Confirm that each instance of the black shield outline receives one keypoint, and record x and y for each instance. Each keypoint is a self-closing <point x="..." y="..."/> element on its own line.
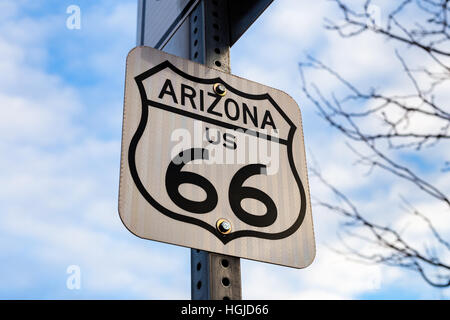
<point x="187" y="219"/>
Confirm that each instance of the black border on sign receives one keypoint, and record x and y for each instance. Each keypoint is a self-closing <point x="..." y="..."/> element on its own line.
<point x="141" y="128"/>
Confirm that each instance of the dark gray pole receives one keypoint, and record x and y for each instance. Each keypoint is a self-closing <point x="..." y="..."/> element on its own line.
<point x="203" y="36"/>
<point x="213" y="276"/>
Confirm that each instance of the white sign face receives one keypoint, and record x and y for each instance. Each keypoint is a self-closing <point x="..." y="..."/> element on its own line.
<point x="213" y="162"/>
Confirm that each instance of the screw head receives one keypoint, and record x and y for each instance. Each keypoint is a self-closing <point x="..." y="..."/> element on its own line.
<point x="224" y="226"/>
<point x="220" y="89"/>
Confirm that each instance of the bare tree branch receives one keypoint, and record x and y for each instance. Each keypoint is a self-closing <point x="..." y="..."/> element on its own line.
<point x="419" y="26"/>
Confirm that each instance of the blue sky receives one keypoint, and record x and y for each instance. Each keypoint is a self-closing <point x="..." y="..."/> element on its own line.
<point x="61" y="93"/>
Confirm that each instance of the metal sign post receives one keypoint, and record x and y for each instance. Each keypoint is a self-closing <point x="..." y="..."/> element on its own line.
<point x="210" y="161"/>
<point x="213" y="276"/>
<point x="205" y="22"/>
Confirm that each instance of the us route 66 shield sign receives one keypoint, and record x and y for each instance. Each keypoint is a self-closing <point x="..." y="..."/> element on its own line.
<point x="213" y="162"/>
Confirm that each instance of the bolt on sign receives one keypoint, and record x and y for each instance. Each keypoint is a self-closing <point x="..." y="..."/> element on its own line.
<point x="213" y="162"/>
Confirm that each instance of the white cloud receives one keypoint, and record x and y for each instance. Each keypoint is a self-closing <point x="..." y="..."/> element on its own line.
<point x="59" y="187"/>
<point x="330" y="276"/>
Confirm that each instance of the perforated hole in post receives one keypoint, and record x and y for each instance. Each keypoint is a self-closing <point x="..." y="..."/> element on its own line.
<point x="225" y="263"/>
<point x="226" y="281"/>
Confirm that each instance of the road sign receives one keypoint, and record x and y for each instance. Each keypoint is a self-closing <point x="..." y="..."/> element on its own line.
<point x="213" y="162"/>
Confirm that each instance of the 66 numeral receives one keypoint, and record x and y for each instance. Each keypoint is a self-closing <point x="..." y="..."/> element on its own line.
<point x="236" y="191"/>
